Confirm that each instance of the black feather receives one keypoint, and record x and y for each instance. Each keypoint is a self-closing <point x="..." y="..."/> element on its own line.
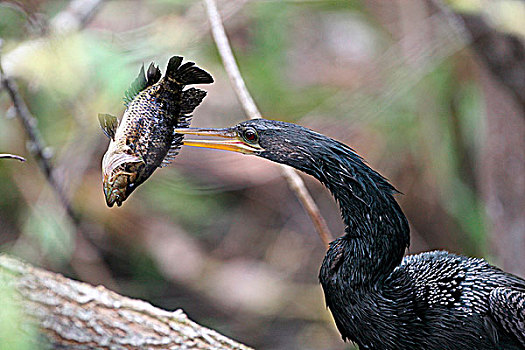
<point x="507" y="306"/>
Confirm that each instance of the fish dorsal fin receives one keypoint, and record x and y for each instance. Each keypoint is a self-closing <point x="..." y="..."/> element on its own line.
<point x="109" y="124"/>
<point x="153" y="74"/>
<point x="186" y="74"/>
<point x="191" y="98"/>
<point x="141" y="82"/>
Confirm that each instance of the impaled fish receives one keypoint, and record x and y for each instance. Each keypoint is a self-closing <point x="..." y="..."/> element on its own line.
<point x="144" y="139"/>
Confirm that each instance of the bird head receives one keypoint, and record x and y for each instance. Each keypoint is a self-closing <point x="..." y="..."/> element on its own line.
<point x="277" y="141"/>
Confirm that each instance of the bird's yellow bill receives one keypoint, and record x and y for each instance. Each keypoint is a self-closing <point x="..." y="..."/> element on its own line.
<point x="232" y="141"/>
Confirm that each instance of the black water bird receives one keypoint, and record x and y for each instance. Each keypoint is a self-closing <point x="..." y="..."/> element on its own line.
<point x="380" y="299"/>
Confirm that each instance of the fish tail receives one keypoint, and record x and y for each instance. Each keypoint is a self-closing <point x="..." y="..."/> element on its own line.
<point x="186" y="74"/>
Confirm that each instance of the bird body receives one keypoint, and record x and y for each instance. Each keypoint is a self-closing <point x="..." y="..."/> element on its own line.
<point x="433" y="300"/>
<point x="144" y="139"/>
<point x="380" y="299"/>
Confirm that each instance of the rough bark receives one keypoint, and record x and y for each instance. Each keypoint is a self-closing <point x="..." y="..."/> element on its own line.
<point x="76" y="315"/>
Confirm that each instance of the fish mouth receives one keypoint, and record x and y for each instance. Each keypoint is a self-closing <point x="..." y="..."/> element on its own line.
<point x="231" y="140"/>
<point x="118" y="187"/>
<point x="114" y="196"/>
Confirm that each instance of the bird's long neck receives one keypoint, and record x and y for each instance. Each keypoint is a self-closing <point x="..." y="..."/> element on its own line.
<point x="376" y="233"/>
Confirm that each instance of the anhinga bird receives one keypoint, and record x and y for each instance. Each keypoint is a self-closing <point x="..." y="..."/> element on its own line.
<point x="380" y="300"/>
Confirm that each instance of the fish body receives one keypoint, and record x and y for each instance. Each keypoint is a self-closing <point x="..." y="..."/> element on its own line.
<point x="144" y="139"/>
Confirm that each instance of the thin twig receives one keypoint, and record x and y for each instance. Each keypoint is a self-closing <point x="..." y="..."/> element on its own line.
<point x="75" y="16"/>
<point x="12" y="156"/>
<point x="36" y="145"/>
<point x="38" y="149"/>
<point x="223" y="45"/>
<point x="294" y="180"/>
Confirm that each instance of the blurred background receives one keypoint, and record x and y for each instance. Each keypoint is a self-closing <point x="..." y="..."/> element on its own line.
<point x="431" y="93"/>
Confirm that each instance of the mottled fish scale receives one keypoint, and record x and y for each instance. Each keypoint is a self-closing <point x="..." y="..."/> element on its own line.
<point x="149" y="120"/>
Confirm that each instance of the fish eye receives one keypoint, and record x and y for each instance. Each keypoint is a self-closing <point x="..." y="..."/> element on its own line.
<point x="250" y="135"/>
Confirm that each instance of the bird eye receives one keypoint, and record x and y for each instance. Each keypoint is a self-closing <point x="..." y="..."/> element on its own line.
<point x="250" y="135"/>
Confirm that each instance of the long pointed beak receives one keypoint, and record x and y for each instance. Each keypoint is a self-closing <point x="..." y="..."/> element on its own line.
<point x="232" y="141"/>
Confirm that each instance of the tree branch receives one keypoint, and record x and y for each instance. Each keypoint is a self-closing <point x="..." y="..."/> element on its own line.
<point x="294" y="180"/>
<point x="12" y="156"/>
<point x="76" y="315"/>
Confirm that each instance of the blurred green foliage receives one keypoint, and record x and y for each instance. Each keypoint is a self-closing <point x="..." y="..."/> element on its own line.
<point x="186" y="202"/>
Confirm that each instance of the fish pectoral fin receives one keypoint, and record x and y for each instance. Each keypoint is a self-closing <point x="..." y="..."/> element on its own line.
<point x="109" y="124"/>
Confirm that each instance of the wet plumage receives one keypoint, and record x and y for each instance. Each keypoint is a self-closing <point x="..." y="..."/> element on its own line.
<point x="144" y="139"/>
<point x="380" y="299"/>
